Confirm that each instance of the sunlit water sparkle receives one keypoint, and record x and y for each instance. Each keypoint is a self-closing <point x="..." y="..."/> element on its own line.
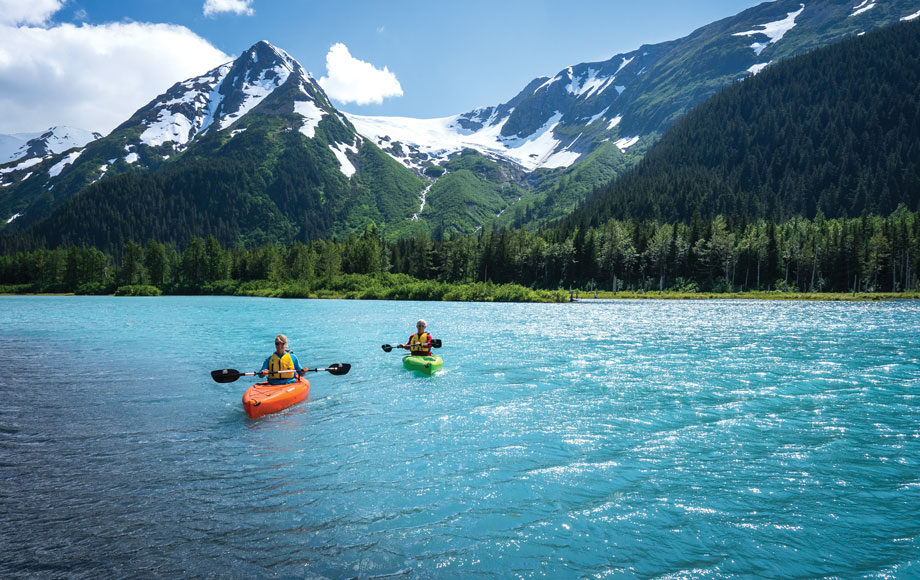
<point x="647" y="439"/>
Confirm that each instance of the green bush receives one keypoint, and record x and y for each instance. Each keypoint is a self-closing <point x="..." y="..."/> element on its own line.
<point x="220" y="288"/>
<point x="138" y="290"/>
<point x="16" y="288"/>
<point x="92" y="289"/>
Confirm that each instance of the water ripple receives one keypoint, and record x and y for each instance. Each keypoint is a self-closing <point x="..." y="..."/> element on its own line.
<point x="590" y="440"/>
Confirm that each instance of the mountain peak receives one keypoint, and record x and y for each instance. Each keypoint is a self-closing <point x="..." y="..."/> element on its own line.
<point x="50" y="142"/>
<point x="263" y="52"/>
<point x="220" y="97"/>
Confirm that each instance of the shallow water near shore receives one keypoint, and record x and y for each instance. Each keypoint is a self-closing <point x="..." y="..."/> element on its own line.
<point x="598" y="439"/>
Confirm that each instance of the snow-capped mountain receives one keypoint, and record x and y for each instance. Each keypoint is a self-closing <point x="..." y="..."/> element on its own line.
<point x="221" y="97"/>
<point x="24" y="152"/>
<point x="10" y="144"/>
<point x="263" y="85"/>
<point x="552" y="123"/>
<point x="632" y="97"/>
<point x="55" y="140"/>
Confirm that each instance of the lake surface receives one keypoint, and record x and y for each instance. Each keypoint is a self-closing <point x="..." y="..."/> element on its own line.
<point x="623" y="439"/>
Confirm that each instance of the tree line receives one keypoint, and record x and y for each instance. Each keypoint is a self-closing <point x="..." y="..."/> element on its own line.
<point x="865" y="254"/>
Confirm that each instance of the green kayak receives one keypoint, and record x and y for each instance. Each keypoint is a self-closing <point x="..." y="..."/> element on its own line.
<point x="423" y="364"/>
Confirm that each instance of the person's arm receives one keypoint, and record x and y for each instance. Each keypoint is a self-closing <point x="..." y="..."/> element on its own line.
<point x="264" y="370"/>
<point x="300" y="370"/>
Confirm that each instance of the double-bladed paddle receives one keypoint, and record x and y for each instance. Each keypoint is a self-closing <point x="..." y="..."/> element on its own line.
<point x="230" y="375"/>
<point x="435" y="343"/>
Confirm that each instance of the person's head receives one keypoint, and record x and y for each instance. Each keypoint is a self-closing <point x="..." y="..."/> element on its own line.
<point x="421" y="325"/>
<point x="280" y="343"/>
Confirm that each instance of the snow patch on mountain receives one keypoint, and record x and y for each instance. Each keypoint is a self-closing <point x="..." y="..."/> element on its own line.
<point x="186" y="115"/>
<point x="548" y="83"/>
<point x="60" y="139"/>
<point x="772" y="30"/>
<point x="588" y="84"/>
<point x="174" y="127"/>
<point x="598" y="116"/>
<point x="435" y="140"/>
<point x="562" y="158"/>
<point x="345" y="164"/>
<point x="24" y="165"/>
<point x="311" y="114"/>
<point x="625" y="143"/>
<point x="51" y="142"/>
<point x="58" y="167"/>
<point x="255" y="92"/>
<point x="103" y="169"/>
<point x="865" y="6"/>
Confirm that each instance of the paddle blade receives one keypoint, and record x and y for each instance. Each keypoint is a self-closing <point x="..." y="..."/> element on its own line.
<point x="386" y="347"/>
<point x="436" y="342"/>
<point x="226" y="375"/>
<point x="339" y="368"/>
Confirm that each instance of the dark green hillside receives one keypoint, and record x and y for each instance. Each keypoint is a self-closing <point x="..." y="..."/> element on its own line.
<point x="558" y="192"/>
<point x="266" y="184"/>
<point x="475" y="190"/>
<point x="37" y="197"/>
<point x="836" y="131"/>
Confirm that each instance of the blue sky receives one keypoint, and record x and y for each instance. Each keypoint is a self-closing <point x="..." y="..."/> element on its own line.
<point x="92" y="63"/>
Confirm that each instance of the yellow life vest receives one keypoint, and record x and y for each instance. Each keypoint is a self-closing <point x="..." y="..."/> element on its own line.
<point x="281" y="363"/>
<point x="419" y="339"/>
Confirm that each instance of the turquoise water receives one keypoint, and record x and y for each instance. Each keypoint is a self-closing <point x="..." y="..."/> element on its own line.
<point x="628" y="439"/>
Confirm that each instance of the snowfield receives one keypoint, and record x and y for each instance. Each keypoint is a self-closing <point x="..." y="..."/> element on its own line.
<point x="440" y="138"/>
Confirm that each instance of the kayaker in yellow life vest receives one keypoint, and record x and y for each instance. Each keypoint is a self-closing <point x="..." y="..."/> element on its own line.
<point x="419" y="343"/>
<point x="282" y="364"/>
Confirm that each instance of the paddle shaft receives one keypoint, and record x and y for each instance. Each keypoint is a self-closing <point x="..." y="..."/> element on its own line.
<point x="230" y="375"/>
<point x="435" y="343"/>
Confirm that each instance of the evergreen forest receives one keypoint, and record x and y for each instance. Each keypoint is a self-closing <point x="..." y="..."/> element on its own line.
<point x="864" y="254"/>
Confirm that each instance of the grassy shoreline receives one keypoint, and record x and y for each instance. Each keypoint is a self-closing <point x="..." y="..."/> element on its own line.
<point x="752" y="295"/>
<point x="441" y="291"/>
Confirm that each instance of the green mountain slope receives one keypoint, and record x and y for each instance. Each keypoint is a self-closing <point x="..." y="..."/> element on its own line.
<point x="268" y="184"/>
<point x="836" y="131"/>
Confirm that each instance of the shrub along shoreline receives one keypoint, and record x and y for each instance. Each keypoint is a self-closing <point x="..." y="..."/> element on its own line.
<point x="345" y="286"/>
<point x="404" y="287"/>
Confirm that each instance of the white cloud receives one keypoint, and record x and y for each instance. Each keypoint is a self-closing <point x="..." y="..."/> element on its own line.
<point x="214" y="7"/>
<point x="14" y="12"/>
<point x="351" y="80"/>
<point x="92" y="77"/>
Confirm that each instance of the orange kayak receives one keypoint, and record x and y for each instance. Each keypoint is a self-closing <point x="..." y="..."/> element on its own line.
<point x="263" y="398"/>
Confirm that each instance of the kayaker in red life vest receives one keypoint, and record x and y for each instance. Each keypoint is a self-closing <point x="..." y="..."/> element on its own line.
<point x="420" y="342"/>
<point x="280" y="366"/>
